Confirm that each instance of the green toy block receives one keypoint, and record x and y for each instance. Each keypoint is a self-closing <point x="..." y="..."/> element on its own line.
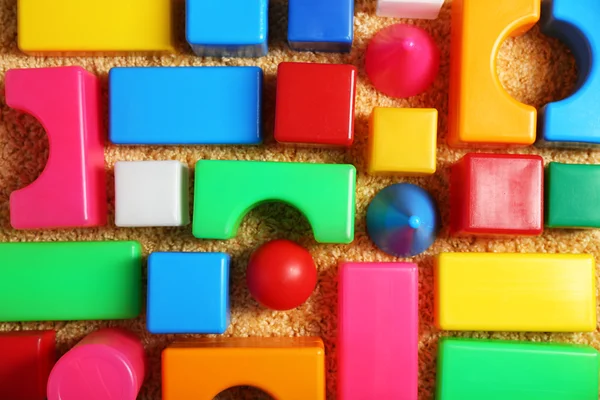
<point x="225" y="191"/>
<point x="471" y="369"/>
<point x="572" y="196"/>
<point x="63" y="281"/>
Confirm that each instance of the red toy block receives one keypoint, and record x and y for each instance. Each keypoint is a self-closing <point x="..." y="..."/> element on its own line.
<point x="26" y="359"/>
<point x="497" y="194"/>
<point x="315" y="104"/>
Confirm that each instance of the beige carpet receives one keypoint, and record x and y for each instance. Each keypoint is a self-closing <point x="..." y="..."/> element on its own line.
<point x="535" y="69"/>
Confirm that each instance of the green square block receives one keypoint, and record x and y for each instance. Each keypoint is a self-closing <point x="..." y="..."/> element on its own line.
<point x="572" y="196"/>
<point x="499" y="370"/>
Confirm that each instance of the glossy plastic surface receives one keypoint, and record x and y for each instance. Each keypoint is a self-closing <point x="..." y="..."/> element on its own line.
<point x="378" y="331"/>
<point x="64" y="281"/>
<point x="71" y="190"/>
<point x="413" y="9"/>
<point x="403" y="220"/>
<point x="281" y="275"/>
<point x="109" y="364"/>
<point x="227" y="190"/>
<point x="285" y="368"/>
<point x="403" y="141"/>
<point x="163" y="105"/>
<point x="315" y="104"/>
<point x="402" y="60"/>
<point x="27" y="359"/>
<point x="497" y="370"/>
<point x="188" y="293"/>
<point x="515" y="292"/>
<point x="497" y="194"/>
<point x="481" y="112"/>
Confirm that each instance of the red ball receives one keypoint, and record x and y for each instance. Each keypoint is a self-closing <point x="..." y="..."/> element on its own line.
<point x="281" y="275"/>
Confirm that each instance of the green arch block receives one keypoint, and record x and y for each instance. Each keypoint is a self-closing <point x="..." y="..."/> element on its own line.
<point x="225" y="191"/>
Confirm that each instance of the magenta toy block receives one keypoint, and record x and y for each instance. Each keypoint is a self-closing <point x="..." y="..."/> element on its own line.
<point x="71" y="191"/>
<point x="378" y="331"/>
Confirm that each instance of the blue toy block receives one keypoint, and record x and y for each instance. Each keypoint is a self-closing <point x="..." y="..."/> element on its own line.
<point x="227" y="28"/>
<point x="321" y="25"/>
<point x="186" y="105"/>
<point x="188" y="293"/>
<point x="574" y="121"/>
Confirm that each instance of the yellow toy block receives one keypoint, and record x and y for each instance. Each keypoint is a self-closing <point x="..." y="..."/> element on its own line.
<point x="515" y="292"/>
<point x="403" y="141"/>
<point x="84" y="26"/>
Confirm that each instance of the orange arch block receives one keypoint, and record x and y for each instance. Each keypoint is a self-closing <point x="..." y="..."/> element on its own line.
<point x="285" y="368"/>
<point x="481" y="112"/>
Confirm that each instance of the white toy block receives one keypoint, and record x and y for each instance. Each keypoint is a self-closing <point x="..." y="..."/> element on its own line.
<point x="151" y="193"/>
<point x="412" y="9"/>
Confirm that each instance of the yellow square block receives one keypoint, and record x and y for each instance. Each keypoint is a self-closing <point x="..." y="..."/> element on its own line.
<point x="84" y="26"/>
<point x="515" y="292"/>
<point x="403" y="141"/>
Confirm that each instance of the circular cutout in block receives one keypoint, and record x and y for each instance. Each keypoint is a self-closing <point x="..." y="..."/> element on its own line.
<point x="281" y="275"/>
<point x="402" y="60"/>
<point x="403" y="220"/>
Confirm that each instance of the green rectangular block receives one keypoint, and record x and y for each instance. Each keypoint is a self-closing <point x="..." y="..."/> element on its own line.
<point x="501" y="370"/>
<point x="63" y="281"/>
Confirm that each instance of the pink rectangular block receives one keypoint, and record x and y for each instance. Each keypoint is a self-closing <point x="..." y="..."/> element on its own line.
<point x="378" y="331"/>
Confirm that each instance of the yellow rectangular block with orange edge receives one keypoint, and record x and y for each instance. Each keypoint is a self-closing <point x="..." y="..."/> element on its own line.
<point x="403" y="141"/>
<point x="285" y="368"/>
<point x="515" y="292"/>
<point x="85" y="26"/>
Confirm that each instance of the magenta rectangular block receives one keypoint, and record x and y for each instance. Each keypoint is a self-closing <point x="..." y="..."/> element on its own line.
<point x="378" y="331"/>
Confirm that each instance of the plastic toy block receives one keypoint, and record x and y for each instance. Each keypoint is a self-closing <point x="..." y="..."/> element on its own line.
<point x="481" y="112"/>
<point x="71" y="191"/>
<point x="315" y="104"/>
<point x="27" y="358"/>
<point x="497" y="194"/>
<point x="412" y="9"/>
<point x="403" y="141"/>
<point x="163" y="105"/>
<point x="151" y="193"/>
<point x="378" y="331"/>
<point x="496" y="370"/>
<point x="569" y="122"/>
<point x="110" y="26"/>
<point x="234" y="28"/>
<point x="227" y="190"/>
<point x="285" y="368"/>
<point x="515" y="292"/>
<point x="106" y="364"/>
<point x="65" y="281"/>
<point x="188" y="293"/>
<point x="317" y="25"/>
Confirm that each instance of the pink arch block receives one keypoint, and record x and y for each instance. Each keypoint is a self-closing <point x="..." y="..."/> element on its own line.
<point x="71" y="190"/>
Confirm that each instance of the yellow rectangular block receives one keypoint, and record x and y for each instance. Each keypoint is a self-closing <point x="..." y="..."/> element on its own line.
<point x="515" y="292"/>
<point x="403" y="141"/>
<point x="84" y="26"/>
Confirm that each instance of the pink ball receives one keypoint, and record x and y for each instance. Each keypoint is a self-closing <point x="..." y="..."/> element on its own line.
<point x="402" y="60"/>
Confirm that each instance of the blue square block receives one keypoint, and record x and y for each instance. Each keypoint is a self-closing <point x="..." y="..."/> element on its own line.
<point x="228" y="28"/>
<point x="321" y="25"/>
<point x="185" y="105"/>
<point x="188" y="293"/>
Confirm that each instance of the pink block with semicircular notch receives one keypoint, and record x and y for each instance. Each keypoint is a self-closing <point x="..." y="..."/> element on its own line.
<point x="71" y="190"/>
<point x="378" y="331"/>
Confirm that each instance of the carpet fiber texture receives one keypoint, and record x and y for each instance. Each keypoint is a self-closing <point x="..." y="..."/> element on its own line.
<point x="533" y="68"/>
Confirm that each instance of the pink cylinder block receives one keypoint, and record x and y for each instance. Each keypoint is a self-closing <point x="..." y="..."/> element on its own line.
<point x="109" y="364"/>
<point x="402" y="60"/>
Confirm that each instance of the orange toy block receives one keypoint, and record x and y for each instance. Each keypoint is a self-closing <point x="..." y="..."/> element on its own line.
<point x="285" y="368"/>
<point x="481" y="112"/>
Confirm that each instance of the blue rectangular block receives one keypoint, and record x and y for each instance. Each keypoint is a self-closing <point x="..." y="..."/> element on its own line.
<point x="188" y="293"/>
<point x="321" y="25"/>
<point x="185" y="105"/>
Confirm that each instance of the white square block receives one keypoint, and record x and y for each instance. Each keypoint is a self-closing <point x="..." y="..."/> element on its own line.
<point x="151" y="193"/>
<point x="412" y="9"/>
